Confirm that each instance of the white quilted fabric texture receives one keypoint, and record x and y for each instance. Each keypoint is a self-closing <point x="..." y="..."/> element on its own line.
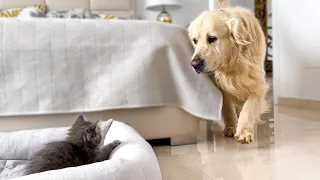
<point x="70" y="65"/>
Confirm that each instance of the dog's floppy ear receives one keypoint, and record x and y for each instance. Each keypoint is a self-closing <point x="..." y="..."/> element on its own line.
<point x="222" y="4"/>
<point x="239" y="32"/>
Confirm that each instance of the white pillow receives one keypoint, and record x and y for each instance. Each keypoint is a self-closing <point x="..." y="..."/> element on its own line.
<point x="30" y="12"/>
<point x="72" y="13"/>
<point x="78" y="14"/>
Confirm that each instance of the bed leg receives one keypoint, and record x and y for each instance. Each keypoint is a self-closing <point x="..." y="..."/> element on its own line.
<point x="183" y="140"/>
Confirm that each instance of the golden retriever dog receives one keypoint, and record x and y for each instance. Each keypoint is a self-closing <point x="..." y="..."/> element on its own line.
<point x="230" y="46"/>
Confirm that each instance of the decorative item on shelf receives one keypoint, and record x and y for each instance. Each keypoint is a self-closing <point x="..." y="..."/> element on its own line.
<point x="163" y="6"/>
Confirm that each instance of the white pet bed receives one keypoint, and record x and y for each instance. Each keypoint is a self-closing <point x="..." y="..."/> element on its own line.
<point x="134" y="159"/>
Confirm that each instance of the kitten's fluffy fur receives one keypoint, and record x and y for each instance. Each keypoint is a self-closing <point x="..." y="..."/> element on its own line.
<point x="81" y="147"/>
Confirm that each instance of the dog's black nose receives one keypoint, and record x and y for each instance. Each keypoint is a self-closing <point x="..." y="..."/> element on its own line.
<point x="198" y="65"/>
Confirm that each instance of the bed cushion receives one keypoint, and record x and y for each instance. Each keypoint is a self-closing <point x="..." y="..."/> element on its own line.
<point x="16" y="12"/>
<point x="78" y="14"/>
<point x="133" y="159"/>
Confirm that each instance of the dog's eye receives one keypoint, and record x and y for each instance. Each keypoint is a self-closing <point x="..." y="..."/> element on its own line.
<point x="194" y="41"/>
<point x="212" y="39"/>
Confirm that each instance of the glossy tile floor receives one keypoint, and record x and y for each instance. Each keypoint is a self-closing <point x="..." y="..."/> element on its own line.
<point x="286" y="148"/>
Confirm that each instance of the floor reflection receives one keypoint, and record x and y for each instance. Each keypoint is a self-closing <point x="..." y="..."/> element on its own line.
<point x="285" y="148"/>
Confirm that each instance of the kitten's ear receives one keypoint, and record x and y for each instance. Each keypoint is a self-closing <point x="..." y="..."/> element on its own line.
<point x="80" y="119"/>
<point x="97" y="126"/>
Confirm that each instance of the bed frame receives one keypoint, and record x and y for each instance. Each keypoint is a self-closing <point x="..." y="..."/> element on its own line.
<point x="151" y="123"/>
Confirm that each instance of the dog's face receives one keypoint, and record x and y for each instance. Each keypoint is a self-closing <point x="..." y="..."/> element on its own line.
<point x="210" y="37"/>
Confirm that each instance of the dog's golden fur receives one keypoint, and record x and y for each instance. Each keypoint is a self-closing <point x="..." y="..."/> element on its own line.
<point x="236" y="61"/>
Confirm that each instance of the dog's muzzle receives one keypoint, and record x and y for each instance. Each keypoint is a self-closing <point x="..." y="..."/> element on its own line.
<point x="198" y="65"/>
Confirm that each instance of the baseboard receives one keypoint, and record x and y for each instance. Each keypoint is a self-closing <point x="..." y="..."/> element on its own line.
<point x="300" y="103"/>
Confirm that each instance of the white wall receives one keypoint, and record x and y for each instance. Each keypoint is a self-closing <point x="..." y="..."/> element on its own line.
<point x="243" y="3"/>
<point x="296" y="49"/>
<point x="189" y="11"/>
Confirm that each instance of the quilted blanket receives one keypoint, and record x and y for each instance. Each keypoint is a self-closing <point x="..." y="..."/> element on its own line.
<point x="69" y="65"/>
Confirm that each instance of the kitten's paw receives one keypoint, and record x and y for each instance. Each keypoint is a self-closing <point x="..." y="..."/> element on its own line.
<point x="229" y="131"/>
<point x="115" y="143"/>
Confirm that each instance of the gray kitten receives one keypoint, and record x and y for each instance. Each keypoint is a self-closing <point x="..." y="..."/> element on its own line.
<point x="81" y="147"/>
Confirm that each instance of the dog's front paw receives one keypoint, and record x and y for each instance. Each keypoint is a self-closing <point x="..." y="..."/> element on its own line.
<point x="229" y="131"/>
<point x="115" y="143"/>
<point x="244" y="136"/>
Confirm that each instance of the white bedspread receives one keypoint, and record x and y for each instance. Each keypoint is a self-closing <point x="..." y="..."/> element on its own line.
<point x="63" y="65"/>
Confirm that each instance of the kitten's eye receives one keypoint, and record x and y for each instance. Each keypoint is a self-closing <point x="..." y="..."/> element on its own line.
<point x="211" y="39"/>
<point x="194" y="41"/>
